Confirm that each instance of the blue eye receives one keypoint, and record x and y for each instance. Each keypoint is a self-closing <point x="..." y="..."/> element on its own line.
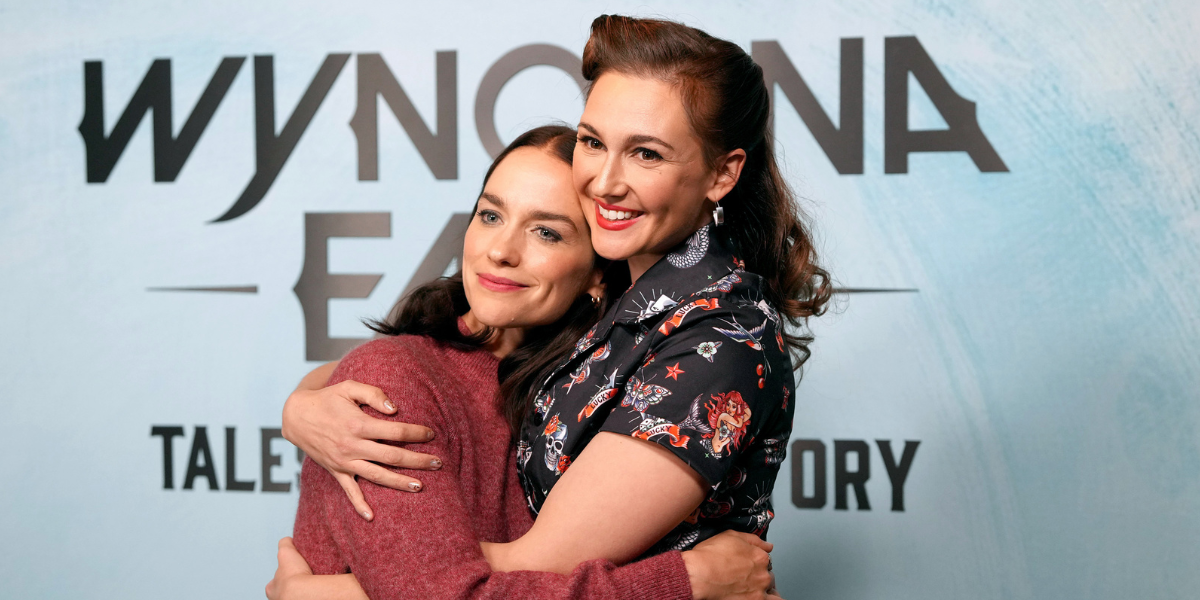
<point x="488" y="217"/>
<point x="548" y="234"/>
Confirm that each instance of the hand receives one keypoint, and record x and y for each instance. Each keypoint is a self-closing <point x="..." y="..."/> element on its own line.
<point x="328" y="425"/>
<point x="731" y="565"/>
<point x="291" y="566"/>
<point x="294" y="580"/>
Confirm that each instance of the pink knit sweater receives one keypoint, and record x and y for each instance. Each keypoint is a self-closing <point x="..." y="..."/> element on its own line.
<point x="426" y="545"/>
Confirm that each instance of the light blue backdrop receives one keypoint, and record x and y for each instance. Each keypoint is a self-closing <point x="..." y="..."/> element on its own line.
<point x="1048" y="364"/>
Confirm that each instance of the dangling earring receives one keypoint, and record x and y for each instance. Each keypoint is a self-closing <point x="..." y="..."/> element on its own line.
<point x="719" y="214"/>
<point x="595" y="301"/>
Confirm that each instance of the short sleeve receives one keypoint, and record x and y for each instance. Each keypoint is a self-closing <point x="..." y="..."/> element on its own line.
<point x="707" y="389"/>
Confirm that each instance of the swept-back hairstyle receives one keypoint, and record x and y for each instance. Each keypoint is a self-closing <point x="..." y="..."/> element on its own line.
<point x="433" y="309"/>
<point x="728" y="106"/>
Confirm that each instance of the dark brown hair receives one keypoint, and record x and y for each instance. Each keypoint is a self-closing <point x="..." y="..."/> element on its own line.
<point x="728" y="106"/>
<point x="433" y="308"/>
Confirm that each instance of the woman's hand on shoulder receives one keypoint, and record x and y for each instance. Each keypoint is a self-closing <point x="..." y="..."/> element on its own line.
<point x="731" y="565"/>
<point x="328" y="425"/>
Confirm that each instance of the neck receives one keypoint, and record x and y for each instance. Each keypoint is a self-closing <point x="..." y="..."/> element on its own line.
<point x="502" y="342"/>
<point x="638" y="265"/>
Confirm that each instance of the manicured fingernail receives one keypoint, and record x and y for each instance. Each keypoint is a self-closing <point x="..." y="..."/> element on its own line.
<point x="388" y="405"/>
<point x="435" y="464"/>
<point x="414" y="486"/>
<point x="366" y="514"/>
<point x="428" y="434"/>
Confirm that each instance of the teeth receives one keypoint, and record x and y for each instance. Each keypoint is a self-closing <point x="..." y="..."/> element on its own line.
<point x="616" y="215"/>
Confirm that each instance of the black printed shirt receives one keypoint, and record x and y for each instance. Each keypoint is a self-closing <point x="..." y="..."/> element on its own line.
<point x="693" y="358"/>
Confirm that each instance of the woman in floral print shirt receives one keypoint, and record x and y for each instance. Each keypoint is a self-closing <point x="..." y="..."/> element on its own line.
<point x="668" y="421"/>
<point x="691" y="358"/>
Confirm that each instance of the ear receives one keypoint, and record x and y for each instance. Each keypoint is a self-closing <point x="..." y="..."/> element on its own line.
<point x="729" y="169"/>
<point x="595" y="284"/>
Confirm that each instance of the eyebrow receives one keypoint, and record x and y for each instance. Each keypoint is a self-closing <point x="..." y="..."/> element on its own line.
<point x="537" y="215"/>
<point x="634" y="139"/>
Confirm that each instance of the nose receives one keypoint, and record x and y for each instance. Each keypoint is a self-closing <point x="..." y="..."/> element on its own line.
<point x="505" y="249"/>
<point x="610" y="181"/>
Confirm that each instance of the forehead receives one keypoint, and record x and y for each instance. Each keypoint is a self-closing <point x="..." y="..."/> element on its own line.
<point x="621" y="104"/>
<point x="532" y="179"/>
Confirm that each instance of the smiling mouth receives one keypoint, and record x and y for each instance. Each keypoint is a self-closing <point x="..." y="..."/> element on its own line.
<point x="615" y="217"/>
<point x="619" y="215"/>
<point x="500" y="284"/>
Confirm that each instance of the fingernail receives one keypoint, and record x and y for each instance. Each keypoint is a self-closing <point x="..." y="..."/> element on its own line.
<point x="428" y="434"/>
<point x="414" y="486"/>
<point x="366" y="515"/>
<point x="435" y="464"/>
<point x="388" y="405"/>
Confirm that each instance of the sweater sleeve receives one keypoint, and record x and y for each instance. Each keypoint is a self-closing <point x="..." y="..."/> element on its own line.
<point x="421" y="545"/>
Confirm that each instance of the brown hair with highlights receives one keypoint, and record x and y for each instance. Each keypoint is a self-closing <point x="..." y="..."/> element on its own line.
<point x="728" y="106"/>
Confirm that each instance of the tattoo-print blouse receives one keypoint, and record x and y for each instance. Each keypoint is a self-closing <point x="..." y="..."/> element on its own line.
<point x="693" y="358"/>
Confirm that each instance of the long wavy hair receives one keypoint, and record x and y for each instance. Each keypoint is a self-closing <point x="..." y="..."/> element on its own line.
<point x="728" y="106"/>
<point x="433" y="309"/>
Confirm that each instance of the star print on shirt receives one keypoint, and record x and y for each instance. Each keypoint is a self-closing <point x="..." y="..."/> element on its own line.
<point x="674" y="372"/>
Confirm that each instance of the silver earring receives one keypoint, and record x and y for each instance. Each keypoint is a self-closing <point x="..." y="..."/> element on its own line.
<point x="719" y="214"/>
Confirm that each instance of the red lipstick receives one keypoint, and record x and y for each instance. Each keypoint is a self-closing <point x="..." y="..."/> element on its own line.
<point x="617" y="225"/>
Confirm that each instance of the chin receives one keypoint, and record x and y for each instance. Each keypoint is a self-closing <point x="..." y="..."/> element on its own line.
<point x="615" y="245"/>
<point x="494" y="318"/>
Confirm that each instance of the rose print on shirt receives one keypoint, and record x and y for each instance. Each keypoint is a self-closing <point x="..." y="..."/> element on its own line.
<point x="708" y="350"/>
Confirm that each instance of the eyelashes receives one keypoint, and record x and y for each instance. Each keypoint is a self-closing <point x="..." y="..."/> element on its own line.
<point x="641" y="153"/>
<point x="491" y="217"/>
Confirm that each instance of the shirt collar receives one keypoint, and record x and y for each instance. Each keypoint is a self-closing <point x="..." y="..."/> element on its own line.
<point x="697" y="264"/>
<point x="701" y="260"/>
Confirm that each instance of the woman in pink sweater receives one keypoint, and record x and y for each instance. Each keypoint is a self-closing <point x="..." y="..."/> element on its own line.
<point x="529" y="285"/>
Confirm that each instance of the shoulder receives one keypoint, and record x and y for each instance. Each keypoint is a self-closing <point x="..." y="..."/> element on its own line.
<point x="404" y="367"/>
<point x="399" y="347"/>
<point x="383" y="356"/>
<point x="735" y="302"/>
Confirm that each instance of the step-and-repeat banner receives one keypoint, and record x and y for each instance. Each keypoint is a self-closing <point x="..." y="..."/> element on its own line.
<point x="199" y="203"/>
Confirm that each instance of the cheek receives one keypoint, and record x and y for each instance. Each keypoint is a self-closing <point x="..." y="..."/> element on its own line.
<point x="474" y="244"/>
<point x="583" y="171"/>
<point x="565" y="274"/>
<point x="676" y="194"/>
<point x="658" y="192"/>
